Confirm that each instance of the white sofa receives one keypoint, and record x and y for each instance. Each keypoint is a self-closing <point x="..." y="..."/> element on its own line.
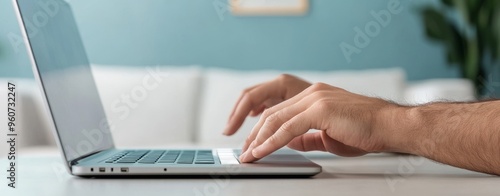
<point x="189" y="106"/>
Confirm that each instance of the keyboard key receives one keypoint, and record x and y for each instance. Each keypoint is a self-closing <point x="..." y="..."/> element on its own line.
<point x="204" y="162"/>
<point x="150" y="158"/>
<point x="126" y="161"/>
<point x="147" y="162"/>
<point x="227" y="156"/>
<point x="165" y="162"/>
<point x="208" y="159"/>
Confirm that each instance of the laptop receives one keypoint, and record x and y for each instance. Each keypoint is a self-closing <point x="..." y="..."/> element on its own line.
<point x="81" y="129"/>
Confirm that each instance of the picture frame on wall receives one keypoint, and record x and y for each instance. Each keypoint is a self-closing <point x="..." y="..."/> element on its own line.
<point x="269" y="7"/>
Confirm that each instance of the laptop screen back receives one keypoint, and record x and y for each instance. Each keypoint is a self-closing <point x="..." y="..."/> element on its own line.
<point x="66" y="77"/>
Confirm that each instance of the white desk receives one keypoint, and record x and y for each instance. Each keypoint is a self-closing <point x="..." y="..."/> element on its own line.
<point x="43" y="174"/>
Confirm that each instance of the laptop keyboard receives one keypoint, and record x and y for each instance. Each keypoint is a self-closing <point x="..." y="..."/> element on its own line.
<point x="226" y="156"/>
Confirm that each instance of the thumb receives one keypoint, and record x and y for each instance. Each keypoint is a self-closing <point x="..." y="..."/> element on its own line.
<point x="308" y="142"/>
<point x="322" y="142"/>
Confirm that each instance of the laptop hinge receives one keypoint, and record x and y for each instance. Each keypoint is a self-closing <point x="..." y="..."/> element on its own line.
<point x="75" y="161"/>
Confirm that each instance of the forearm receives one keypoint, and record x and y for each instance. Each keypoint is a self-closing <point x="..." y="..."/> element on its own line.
<point x="465" y="135"/>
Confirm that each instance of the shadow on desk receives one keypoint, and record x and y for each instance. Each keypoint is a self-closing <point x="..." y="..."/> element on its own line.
<point x="392" y="166"/>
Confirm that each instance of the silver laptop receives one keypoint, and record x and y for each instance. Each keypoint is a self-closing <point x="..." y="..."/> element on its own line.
<point x="80" y="126"/>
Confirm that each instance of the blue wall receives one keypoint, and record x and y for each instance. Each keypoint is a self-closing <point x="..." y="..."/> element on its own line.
<point x="180" y="32"/>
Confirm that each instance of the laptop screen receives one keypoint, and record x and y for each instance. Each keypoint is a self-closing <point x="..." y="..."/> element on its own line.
<point x="66" y="77"/>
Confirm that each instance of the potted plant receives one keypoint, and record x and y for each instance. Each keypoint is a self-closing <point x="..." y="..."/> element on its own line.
<point x="469" y="30"/>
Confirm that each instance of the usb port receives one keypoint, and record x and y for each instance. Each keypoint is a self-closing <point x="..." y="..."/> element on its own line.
<point x="102" y="169"/>
<point x="124" y="169"/>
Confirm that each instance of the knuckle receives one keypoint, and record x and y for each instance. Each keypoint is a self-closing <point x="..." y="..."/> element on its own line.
<point x="319" y="86"/>
<point x="259" y="140"/>
<point x="321" y="104"/>
<point x="247" y="97"/>
<point x="274" y="140"/>
<point x="266" y="113"/>
<point x="248" y="140"/>
<point x="319" y="95"/>
<point x="272" y="119"/>
<point x="285" y="77"/>
<point x="286" y="127"/>
<point x="248" y="92"/>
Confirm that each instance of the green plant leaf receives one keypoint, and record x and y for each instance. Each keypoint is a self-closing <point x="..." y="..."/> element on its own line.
<point x="472" y="59"/>
<point x="456" y="45"/>
<point x="487" y="27"/>
<point x="434" y="22"/>
<point x="466" y="48"/>
<point x="473" y="8"/>
<point x="440" y="29"/>
<point x="449" y="3"/>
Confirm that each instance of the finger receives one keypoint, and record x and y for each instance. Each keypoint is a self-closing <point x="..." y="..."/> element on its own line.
<point x="339" y="148"/>
<point x="249" y="101"/>
<point x="267" y="104"/>
<point x="257" y="111"/>
<point x="296" y="126"/>
<point x="273" y="122"/>
<point x="269" y="112"/>
<point x="322" y="142"/>
<point x="239" y="100"/>
<point x="308" y="142"/>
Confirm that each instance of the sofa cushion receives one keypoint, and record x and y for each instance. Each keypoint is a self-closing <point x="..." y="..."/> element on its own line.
<point x="442" y="89"/>
<point x="221" y="89"/>
<point x="150" y="105"/>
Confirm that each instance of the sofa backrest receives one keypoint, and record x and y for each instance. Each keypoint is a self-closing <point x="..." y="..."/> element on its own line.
<point x="150" y="106"/>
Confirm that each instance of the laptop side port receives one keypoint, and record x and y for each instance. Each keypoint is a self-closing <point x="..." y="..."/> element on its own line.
<point x="102" y="169"/>
<point x="124" y="169"/>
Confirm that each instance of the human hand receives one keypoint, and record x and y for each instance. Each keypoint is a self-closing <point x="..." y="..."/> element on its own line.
<point x="254" y="100"/>
<point x="348" y="122"/>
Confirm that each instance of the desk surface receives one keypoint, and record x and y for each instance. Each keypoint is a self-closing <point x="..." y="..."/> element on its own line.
<point x="43" y="174"/>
